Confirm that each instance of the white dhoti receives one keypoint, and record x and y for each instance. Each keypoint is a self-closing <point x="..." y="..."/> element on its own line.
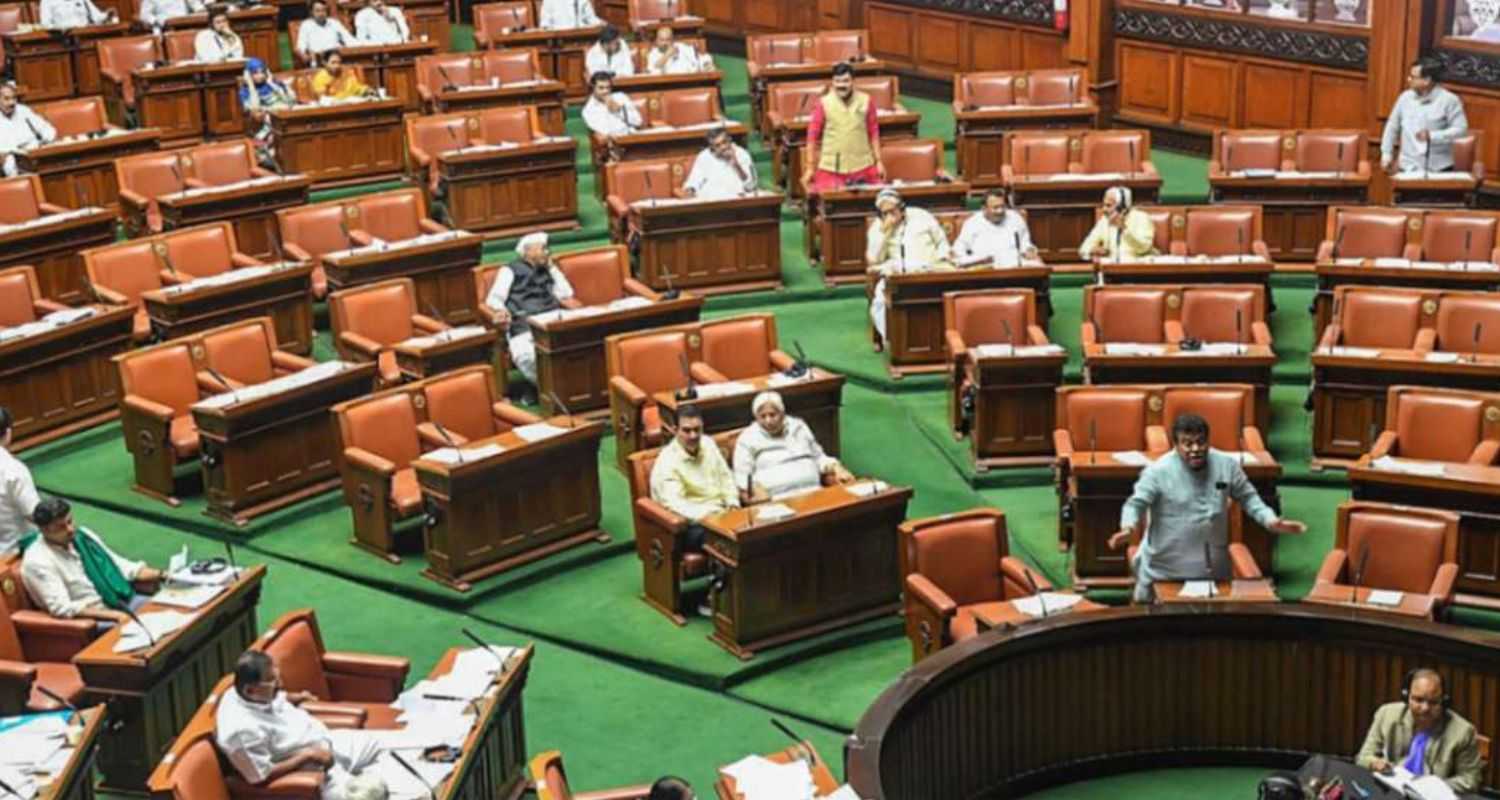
<point x="523" y="354"/>
<point x="877" y="309"/>
<point x="353" y="750"/>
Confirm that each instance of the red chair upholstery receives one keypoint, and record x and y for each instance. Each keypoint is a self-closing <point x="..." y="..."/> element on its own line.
<point x="845" y="45"/>
<point x="1468" y="154"/>
<point x="362" y="681"/>
<point x="1434" y="424"/>
<point x="144" y="178"/>
<point x="1161" y="227"/>
<point x="493" y="19"/>
<point x="981" y="317"/>
<point x="639" y="365"/>
<point x="393" y="216"/>
<point x="913" y="159"/>
<point x="1222" y="232"/>
<point x="1052" y="87"/>
<point x="975" y="89"/>
<point x="1124" y="314"/>
<point x="680" y="107"/>
<point x="1330" y="151"/>
<point x="1364" y="233"/>
<point x="120" y="57"/>
<point x="1037" y="153"/>
<point x="776" y="48"/>
<point x="642" y="13"/>
<point x="310" y="232"/>
<point x="158" y="386"/>
<point x="428" y="137"/>
<point x="22" y="672"/>
<point x="21" y="298"/>
<point x="1411" y="550"/>
<point x="601" y="275"/>
<point x="223" y="162"/>
<point x="1228" y="408"/>
<point x="369" y="320"/>
<point x="1225" y="313"/>
<point x="1463" y="315"/>
<point x="120" y="273"/>
<point x="245" y="354"/>
<point x="22" y="200"/>
<point x="1116" y="151"/>
<point x="12" y="16"/>
<point x="1239" y="150"/>
<point x="456" y="69"/>
<point x="514" y="124"/>
<point x="379" y="439"/>
<point x="953" y="565"/>
<point x="1456" y="236"/>
<point x="628" y="183"/>
<point x="512" y="65"/>
<point x="1101" y="418"/>
<point x="551" y="783"/>
<point x="199" y="252"/>
<point x="43" y="637"/>
<point x="464" y="402"/>
<point x="1375" y="317"/>
<point x="736" y="348"/>
<point x="181" y="45"/>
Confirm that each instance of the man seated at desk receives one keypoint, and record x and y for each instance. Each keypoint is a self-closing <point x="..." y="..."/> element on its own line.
<point x="996" y="233"/>
<point x="610" y="113"/>
<point x="667" y="56"/>
<point x="1123" y="233"/>
<point x="1423" y="736"/>
<point x="564" y="14"/>
<point x="692" y="479"/>
<point x="320" y="34"/>
<point x="72" y="573"/>
<point x="18" y="497"/>
<point x="1186" y="495"/>
<point x="722" y="170"/>
<point x="20" y="127"/>
<point x="1424" y="122"/>
<point x="380" y="23"/>
<point x="332" y="80"/>
<point x="265" y="734"/>
<point x="531" y="284"/>
<point x="901" y="240"/>
<point x="155" y="13"/>
<point x="62" y="15"/>
<point x="219" y="42"/>
<point x="609" y="54"/>
<point x="671" y="788"/>
<point x="779" y="455"/>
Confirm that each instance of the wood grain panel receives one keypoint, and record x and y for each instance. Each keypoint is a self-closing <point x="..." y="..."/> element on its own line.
<point x="1149" y="81"/>
<point x="993" y="47"/>
<point x="891" y="33"/>
<point x="937" y="44"/>
<point x="1336" y="101"/>
<point x="1210" y="88"/>
<point x="1275" y="96"/>
<point x="1483" y="110"/>
<point x="1042" y="50"/>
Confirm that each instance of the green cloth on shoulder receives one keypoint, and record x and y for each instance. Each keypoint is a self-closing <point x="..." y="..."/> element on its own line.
<point x="113" y="587"/>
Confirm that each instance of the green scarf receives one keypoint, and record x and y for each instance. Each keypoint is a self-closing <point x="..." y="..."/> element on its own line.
<point x="113" y="588"/>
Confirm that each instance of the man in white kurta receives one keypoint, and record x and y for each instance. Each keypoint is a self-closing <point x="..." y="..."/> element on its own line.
<point x="18" y="497"/>
<point x="20" y="128"/>
<point x="564" y="14"/>
<point x="1423" y="124"/>
<point x="609" y="54"/>
<point x="722" y="170"/>
<point x="779" y="455"/>
<point x="219" y="42"/>
<point x="608" y="112"/>
<point x="379" y="23"/>
<point x="995" y="235"/>
<point x="62" y="15"/>
<point x="53" y="571"/>
<point x="265" y="733"/>
<point x="1123" y="232"/>
<point x="901" y="240"/>
<point x="321" y="33"/>
<point x="532" y="284"/>
<point x="155" y="13"/>
<point x="668" y="56"/>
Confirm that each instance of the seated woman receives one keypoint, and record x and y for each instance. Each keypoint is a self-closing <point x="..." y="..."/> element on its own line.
<point x="778" y="455"/>
<point x="259" y="95"/>
<point x="332" y="80"/>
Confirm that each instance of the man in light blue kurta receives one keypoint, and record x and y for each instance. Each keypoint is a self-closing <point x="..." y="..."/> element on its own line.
<point x="1424" y="122"/>
<point x="1185" y="495"/>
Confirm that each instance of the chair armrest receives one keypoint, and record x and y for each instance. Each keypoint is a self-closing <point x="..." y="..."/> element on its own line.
<point x="1007" y="174"/>
<point x="363" y="344"/>
<point x="420" y="156"/>
<point x="1260" y="333"/>
<point x="1148" y="168"/>
<point x="108" y="295"/>
<point x="48" y="638"/>
<point x="364" y="459"/>
<point x="955" y="344"/>
<point x="780" y="360"/>
<point x="1157" y="440"/>
<point x="242" y="260"/>
<point x="171" y="278"/>
<point x="1260" y="249"/>
<point x="17" y="676"/>
<point x="1015" y="571"/>
<point x="660" y="515"/>
<point x="365" y="677"/>
<point x="361" y="238"/>
<point x="1442" y="583"/>
<point x="1088" y="335"/>
<point x="1253" y="440"/>
<point x="261" y="172"/>
<point x="295" y="252"/>
<point x="1325" y="250"/>
<point x="1331" y="336"/>
<point x="628" y="391"/>
<point x="50" y="208"/>
<point x="1177" y="248"/>
<point x="1242" y="565"/>
<point x="149" y="408"/>
<point x="1364" y="169"/>
<point x="427" y="324"/>
<point x="337" y="715"/>
<point x="429" y="226"/>
<point x="1426" y="340"/>
<point x="134" y="198"/>
<point x="924" y="591"/>
<point x="1172" y="329"/>
<point x="43" y="306"/>
<point x="432" y="437"/>
<point x="622" y="793"/>
<point x="1384" y="444"/>
<point x="211" y="385"/>
<point x="513" y="415"/>
<point x="1333" y="567"/>
<point x="1036" y="336"/>
<point x="1062" y="442"/>
<point x="1412" y="252"/>
<point x="194" y="183"/>
<point x="635" y="287"/>
<point x="617" y="206"/>
<point x="1485" y="453"/>
<point x="703" y="373"/>
<point x="280" y="359"/>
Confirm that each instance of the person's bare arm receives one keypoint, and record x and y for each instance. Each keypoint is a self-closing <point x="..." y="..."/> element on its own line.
<point x="313" y="755"/>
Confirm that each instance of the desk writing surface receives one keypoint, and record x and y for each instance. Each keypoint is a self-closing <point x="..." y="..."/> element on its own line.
<point x="52" y="244"/>
<point x="816" y="398"/>
<point x="62" y="380"/>
<point x="1232" y="591"/>
<point x="1412" y="604"/>
<point x="823" y="781"/>
<point x="739" y="526"/>
<point x="494" y="751"/>
<point x="1481" y="479"/>
<point x="340" y="143"/>
<point x="999" y="614"/>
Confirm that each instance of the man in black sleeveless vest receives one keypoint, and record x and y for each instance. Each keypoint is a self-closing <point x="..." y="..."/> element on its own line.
<point x="529" y="285"/>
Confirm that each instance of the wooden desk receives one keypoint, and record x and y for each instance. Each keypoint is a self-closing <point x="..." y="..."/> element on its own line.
<point x="1234" y="591"/>
<point x="1169" y="269"/>
<point x="1420" y="606"/>
<point x="1015" y="408"/>
<point x="250" y="205"/>
<point x="152" y="692"/>
<point x="1248" y="363"/>
<point x="1394" y="272"/>
<point x="62" y="380"/>
<point x="709" y="246"/>
<point x="1349" y="392"/>
<point x="1006" y="615"/>
<point x="426" y="356"/>
<point x="439" y="264"/>
<point x="1246" y="683"/>
<point x="1294" y="209"/>
<point x="493" y="760"/>
<point x="570" y="350"/>
<point x="504" y="191"/>
<point x="836" y="222"/>
<point x="979" y="134"/>
<point x="255" y="25"/>
<point x="42" y="63"/>
<point x="1061" y="213"/>
<point x="789" y="142"/>
<point x="1434" y="190"/>
<point x="75" y="781"/>
<point x="657" y="141"/>
<point x="284" y="293"/>
<point x="832" y="564"/>
<point x="815" y="399"/>
<point x="914" y="310"/>
<point x="186" y="102"/>
<point x="641" y="83"/>
<point x="763" y="76"/>
<point x="563" y="59"/>
<point x="342" y="143"/>
<point x="393" y="67"/>
<point x="498" y="512"/>
<point x="52" y="244"/>
<point x="1471" y="490"/>
<point x="78" y="172"/>
<point x="545" y="95"/>
<point x="823" y="781"/>
<point x="264" y="453"/>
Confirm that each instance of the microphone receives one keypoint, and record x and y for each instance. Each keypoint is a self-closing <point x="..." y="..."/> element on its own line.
<point x="557" y="401"/>
<point x="690" y="393"/>
<point x="137" y="620"/>
<point x="1239" y="435"/>
<point x="431" y="792"/>
<point x="1026" y="156"/>
<point x="1131" y="143"/>
<point x="1239" y="331"/>
<point x="443" y="432"/>
<point x="1031" y="582"/>
<point x="1072" y="89"/>
<point x="1208" y="562"/>
<point x="1228" y="155"/>
<point x="166" y="257"/>
<point x="801" y="366"/>
<point x="229" y="551"/>
<point x="453" y="136"/>
<point x="483" y="646"/>
<point x="671" y="293"/>
<point x="1338" y="241"/>
<point x="344" y="228"/>
<point x="1359" y="574"/>
<point x="1017" y="236"/>
<point x="1239" y="239"/>
<point x="1010" y="339"/>
<point x="1474" y="354"/>
<point x="221" y="379"/>
<point x="6" y="786"/>
<point x="176" y="165"/>
<point x="1468" y="253"/>
<point x="40" y="139"/>
<point x="1427" y="158"/>
<point x="1338" y="168"/>
<point x="60" y="700"/>
<point x="1093" y="439"/>
<point x="448" y="84"/>
<point x="650" y="189"/>
<point x="515" y="18"/>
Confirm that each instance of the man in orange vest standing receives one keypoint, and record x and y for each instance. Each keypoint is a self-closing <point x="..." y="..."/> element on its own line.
<point x="843" y="138"/>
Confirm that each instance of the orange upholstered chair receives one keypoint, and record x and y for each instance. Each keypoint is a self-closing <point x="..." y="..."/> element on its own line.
<point x="1434" y="424"/>
<point x="393" y="216"/>
<point x="551" y="782"/>
<point x="1466" y="322"/>
<point x="842" y="45"/>
<point x="21" y="673"/>
<point x="76" y="115"/>
<point x="144" y="178"/>
<point x="976" y="89"/>
<point x="379" y="438"/>
<point x="437" y="72"/>
<point x="43" y="637"/>
<point x="632" y="181"/>
<point x="22" y="199"/>
<point x="428" y="137"/>
<point x="1405" y="549"/>
<point x="120" y="273"/>
<point x="639" y="365"/>
<point x="601" y="275"/>
<point x="362" y="681"/>
<point x="493" y="19"/>
<point x="736" y="348"/>
<point x="512" y="65"/>
<point x="1232" y="231"/>
<point x="913" y="160"/>
<point x="1041" y="87"/>
<point x="776" y="48"/>
<point x="199" y="252"/>
<point x="1239" y="150"/>
<point x="665" y="561"/>
<point x="310" y="232"/>
<point x="158" y="386"/>
<point x="1124" y="314"/>
<point x="368" y="320"/>
<point x="1037" y="154"/>
<point x="955" y="564"/>
<point x="1228" y="408"/>
<point x="1224" y="313"/>
<point x="510" y="124"/>
<point x="465" y="404"/>
<point x="12" y="16"/>
<point x="180" y="44"/>
<point x="1364" y="233"/>
<point x="1455" y="236"/>
<point x="118" y="58"/>
<point x="1468" y="154"/>
<point x="1103" y="419"/>
<point x="223" y="162"/>
<point x="244" y="354"/>
<point x="647" y="13"/>
<point x="1329" y="151"/>
<point x="1374" y="317"/>
<point x="21" y="298"/>
<point x="985" y="316"/>
<point x="1116" y="151"/>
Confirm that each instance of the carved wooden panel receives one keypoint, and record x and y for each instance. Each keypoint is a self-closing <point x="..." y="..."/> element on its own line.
<point x="1336" y="101"/>
<point x="940" y="43"/>
<point x="1275" y="96"/>
<point x="993" y="47"/>
<point x="1210" y="88"/>
<point x="890" y="33"/>
<point x="1041" y="50"/>
<point x="937" y="43"/>
<point x="1149" y="82"/>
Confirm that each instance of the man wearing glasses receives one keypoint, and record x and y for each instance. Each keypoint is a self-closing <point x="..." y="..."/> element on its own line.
<point x="1185" y="495"/>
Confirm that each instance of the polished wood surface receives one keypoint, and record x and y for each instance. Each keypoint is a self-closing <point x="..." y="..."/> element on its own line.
<point x="430" y="355"/>
<point x="1087" y="695"/>
<point x="80" y="172"/>
<point x="1419" y="606"/>
<point x="710" y="246"/>
<point x="914" y="310"/>
<point x="815" y="400"/>
<point x="493" y="761"/>
<point x="832" y="564"/>
<point x="656" y="141"/>
<point x="836" y="223"/>
<point x="823" y="781"/>
<point x="505" y="192"/>
<point x="439" y="268"/>
<point x="250" y="208"/>
<point x="502" y="511"/>
<point x="340" y="144"/>
<point x="546" y="96"/>
<point x="152" y="693"/>
<point x="53" y="247"/>
<point x="263" y="454"/>
<point x="1235" y="591"/>
<point x="50" y="65"/>
<point x="937" y="42"/>
<point x="284" y="295"/>
<point x="1015" y="409"/>
<point x="63" y="381"/>
<point x="1006" y="615"/>
<point x="186" y="102"/>
<point x="735" y="19"/>
<point x="979" y="133"/>
<point x="393" y="67"/>
<point x="1252" y="364"/>
<point x="1061" y="213"/>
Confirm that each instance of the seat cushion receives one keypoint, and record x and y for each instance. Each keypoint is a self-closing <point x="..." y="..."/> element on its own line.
<point x="184" y="435"/>
<point x="406" y="493"/>
<point x="61" y="679"/>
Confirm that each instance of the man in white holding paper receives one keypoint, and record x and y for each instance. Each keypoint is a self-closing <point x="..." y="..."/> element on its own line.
<point x="1422" y="736"/>
<point x="779" y="454"/>
<point x="71" y="573"/>
<point x="996" y="234"/>
<point x="1186" y="495"/>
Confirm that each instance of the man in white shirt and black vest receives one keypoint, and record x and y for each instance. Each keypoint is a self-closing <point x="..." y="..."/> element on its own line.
<point x="532" y="284"/>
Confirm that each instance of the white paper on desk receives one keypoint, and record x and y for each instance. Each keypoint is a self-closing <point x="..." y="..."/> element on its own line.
<point x="1086" y="176"/>
<point x="624" y="303"/>
<point x="159" y="623"/>
<point x="452" y="456"/>
<point x="1348" y="262"/>
<point x="845" y="792"/>
<point x="1134" y="458"/>
<point x="1427" y="787"/>
<point x="1384" y="597"/>
<point x="186" y="577"/>
<point x="1055" y="602"/>
<point x="1134" y="349"/>
<point x="724" y="389"/>
<point x="537" y="431"/>
<point x="20" y="747"/>
<point x="1430" y="469"/>
<point x="178" y="562"/>
<point x="779" y="379"/>
<point x="401" y="784"/>
<point x="189" y="597"/>
<point x="68" y="316"/>
<point x="1197" y="590"/>
<point x="1242" y="456"/>
<point x="1263" y="172"/>
<point x="759" y="778"/>
<point x="21" y="784"/>
<point x="1224" y="349"/>
<point x="1319" y="175"/>
<point x="1353" y="352"/>
<point x="1392" y="263"/>
<point x="1439" y="357"/>
<point x="772" y="512"/>
<point x="866" y="488"/>
<point x="1420" y="175"/>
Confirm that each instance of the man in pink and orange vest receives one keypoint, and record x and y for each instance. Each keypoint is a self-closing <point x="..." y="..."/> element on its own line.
<point x="843" y="138"/>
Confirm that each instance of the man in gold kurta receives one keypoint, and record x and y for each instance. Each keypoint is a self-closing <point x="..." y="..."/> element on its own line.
<point x="692" y="479"/>
<point x="843" y="138"/>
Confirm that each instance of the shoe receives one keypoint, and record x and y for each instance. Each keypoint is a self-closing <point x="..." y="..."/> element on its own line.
<point x="705" y="610"/>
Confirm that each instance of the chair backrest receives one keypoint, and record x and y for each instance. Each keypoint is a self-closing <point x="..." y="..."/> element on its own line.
<point x="1039" y="152"/>
<point x="201" y="251"/>
<point x="126" y="54"/>
<point x="795" y="98"/>
<point x="845" y="45"/>
<point x="511" y="66"/>
<point x="242" y="351"/>
<point x="642" y="461"/>
<point x="687" y="106"/>
<point x="884" y="90"/>
<point x="12" y="16"/>
<point x="1455" y="236"/>
<point x="961" y="556"/>
<point x="627" y="179"/>
<point x="460" y="69"/>
<point x="1055" y="87"/>
<point x="1115" y="151"/>
<point x="491" y="18"/>
<point x="296" y="645"/>
<point x="1248" y="149"/>
<point x="1436" y="425"/>
<point x="484" y="279"/>
<point x="1161" y="226"/>
<point x="1222" y="313"/>
<point x="314" y="228"/>
<point x="393" y="216"/>
<point x="222" y="162"/>
<point x="650" y="360"/>
<point x="912" y="159"/>
<point x="1406" y="545"/>
<point x="598" y="274"/>
<point x="164" y="373"/>
<point x="20" y="199"/>
<point x="982" y="317"/>
<point x="1115" y="416"/>
<point x="19" y="291"/>
<point x="196" y="772"/>
<point x="1226" y="408"/>
<point x="440" y="133"/>
<point x="1369" y="233"/>
<point x="643" y="11"/>
<point x="1329" y="151"/>
<point x="460" y="401"/>
<point x="987" y="88"/>
<point x="181" y="45"/>
<point x="777" y="48"/>
<point x="1377" y="318"/>
<point x="518" y="124"/>
<point x="152" y="175"/>
<point x="1468" y="322"/>
<point x="740" y="347"/>
<point x="1466" y="151"/>
<point x="75" y="115"/>
<point x="1127" y="313"/>
<point x="1221" y="232"/>
<point x="129" y="268"/>
<point x="384" y="424"/>
<point x="379" y="311"/>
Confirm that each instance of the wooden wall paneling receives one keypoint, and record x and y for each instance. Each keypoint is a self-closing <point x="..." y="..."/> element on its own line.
<point x="1275" y="95"/>
<point x="1483" y="111"/>
<point x="994" y="47"/>
<point x="1337" y="100"/>
<point x="1394" y="44"/>
<point x="1041" y="50"/>
<point x="1210" y="87"/>
<point x="720" y="13"/>
<point x="1150" y="80"/>
<point x="891" y="34"/>
<point x="937" y="44"/>
<point x="763" y="16"/>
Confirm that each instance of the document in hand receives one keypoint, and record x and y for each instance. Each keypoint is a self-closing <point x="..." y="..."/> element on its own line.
<point x="1427" y="787"/>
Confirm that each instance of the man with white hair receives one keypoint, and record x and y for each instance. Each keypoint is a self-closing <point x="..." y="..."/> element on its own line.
<point x="1123" y="232"/>
<point x="779" y="455"/>
<point x="531" y="284"/>
<point x="901" y="240"/>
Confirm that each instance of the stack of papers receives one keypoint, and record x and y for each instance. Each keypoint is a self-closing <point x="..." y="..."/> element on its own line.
<point x="1217" y="349"/>
<point x="1197" y="589"/>
<point x="1134" y="458"/>
<point x="451" y="335"/>
<point x="1352" y="352"/>
<point x="625" y="303"/>
<point x="48" y="219"/>
<point x="780" y="379"/>
<point x="1421" y="175"/>
<point x="867" y="488"/>
<point x="275" y="386"/>
<point x="1440" y="357"/>
<point x="32" y="744"/>
<point x="1023" y="351"/>
<point x="1052" y="602"/>
<point x="186" y="596"/>
<point x="53" y="321"/>
<point x="460" y="455"/>
<point x="225" y="278"/>
<point x="159" y="623"/>
<point x="1254" y="173"/>
<point x="773" y="512"/>
<point x="1320" y="175"/>
<point x="759" y="778"/>
<point x="537" y="431"/>
<point x="1384" y="597"/>
<point x="1134" y="349"/>
<point x="724" y="389"/>
<point x="264" y="180"/>
<point x="1349" y="262"/>
<point x="378" y="245"/>
<point x="1242" y="456"/>
<point x="1427" y="787"/>
<point x="1084" y="176"/>
<point x="1430" y="469"/>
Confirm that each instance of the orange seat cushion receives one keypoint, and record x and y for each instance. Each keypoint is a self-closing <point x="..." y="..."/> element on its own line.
<point x="406" y="493"/>
<point x="184" y="435"/>
<point x="61" y="679"/>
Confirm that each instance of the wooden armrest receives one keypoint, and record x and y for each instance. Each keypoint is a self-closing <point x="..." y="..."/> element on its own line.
<point x="635" y="287"/>
<point x="924" y="591"/>
<point x="1426" y="340"/>
<point x="1442" y="583"/>
<point x="1177" y="248"/>
<point x="1173" y="331"/>
<point x="1007" y="174"/>
<point x="429" y="226"/>
<point x="364" y="344"/>
<point x="954" y="342"/>
<point x="1325" y="250"/>
<point x="703" y="373"/>
<point x="361" y="238"/>
<point x="1242" y="565"/>
<point x="1148" y="168"/>
<point x="1485" y="453"/>
<point x="295" y="252"/>
<point x="108" y="295"/>
<point x="304" y="783"/>
<point x="210" y="385"/>
<point x="194" y="183"/>
<point x="420" y="156"/>
<point x="571" y="303"/>
<point x="1253" y="441"/>
<point x="628" y="391"/>
<point x="289" y="362"/>
<point x="427" y="324"/>
<point x="134" y="198"/>
<point x="1333" y="567"/>
<point x="50" y="208"/>
<point x="43" y="306"/>
<point x="326" y="710"/>
<point x="660" y="515"/>
<point x="1016" y="571"/>
<point x="1036" y="336"/>
<point x="368" y="461"/>
<point x="433" y="438"/>
<point x="1412" y="252"/>
<point x="511" y="415"/>
<point x="1331" y="336"/>
<point x="393" y="668"/>
<point x="617" y="206"/>
<point x="171" y="278"/>
<point x="1384" y="444"/>
<point x="242" y="260"/>
<point x="1157" y="440"/>
<point x="17" y="674"/>
<point x="160" y="412"/>
<point x="1260" y="249"/>
<point x="48" y="638"/>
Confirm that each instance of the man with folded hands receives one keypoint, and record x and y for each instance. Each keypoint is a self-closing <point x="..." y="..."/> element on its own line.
<point x="779" y="454"/>
<point x="71" y="573"/>
<point x="532" y="284"/>
<point x="610" y="113"/>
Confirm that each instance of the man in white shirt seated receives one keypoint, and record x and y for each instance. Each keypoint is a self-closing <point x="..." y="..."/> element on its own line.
<point x="379" y="23"/>
<point x="609" y="54"/>
<point x="71" y="573"/>
<point x="320" y="33"/>
<point x="18" y="497"/>
<point x="564" y="14"/>
<point x="610" y="113"/>
<point x="265" y="734"/>
<point x="62" y="15"/>
<point x="901" y="240"/>
<point x="20" y="127"/>
<point x="779" y="455"/>
<point x="531" y="284"/>
<point x="667" y="56"/>
<point x="996" y="234"/>
<point x="219" y="42"/>
<point x="722" y="170"/>
<point x="155" y="13"/>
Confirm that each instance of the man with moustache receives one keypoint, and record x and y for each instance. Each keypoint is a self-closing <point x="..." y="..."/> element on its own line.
<point x="843" y="137"/>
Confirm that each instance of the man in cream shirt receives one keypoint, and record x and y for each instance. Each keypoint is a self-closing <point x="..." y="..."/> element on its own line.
<point x="18" y="497"/>
<point x="155" y="13"/>
<point x="379" y="23"/>
<point x="1123" y="232"/>
<point x="901" y="240"/>
<point x="721" y="170"/>
<point x="691" y="478"/>
<point x="779" y="454"/>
